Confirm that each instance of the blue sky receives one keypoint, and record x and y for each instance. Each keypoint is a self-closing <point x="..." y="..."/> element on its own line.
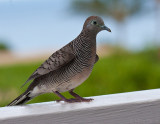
<point x="34" y="26"/>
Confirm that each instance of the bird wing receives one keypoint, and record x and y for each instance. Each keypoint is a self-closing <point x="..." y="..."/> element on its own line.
<point x="54" y="62"/>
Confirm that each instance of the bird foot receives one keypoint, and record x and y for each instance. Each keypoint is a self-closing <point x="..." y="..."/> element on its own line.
<point x="72" y="100"/>
<point x="63" y="100"/>
<point x="86" y="100"/>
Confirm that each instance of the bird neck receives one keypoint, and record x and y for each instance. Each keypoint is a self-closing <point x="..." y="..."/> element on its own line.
<point x="89" y="33"/>
<point x="85" y="43"/>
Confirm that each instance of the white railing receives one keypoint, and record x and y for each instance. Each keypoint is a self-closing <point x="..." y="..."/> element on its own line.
<point x="141" y="107"/>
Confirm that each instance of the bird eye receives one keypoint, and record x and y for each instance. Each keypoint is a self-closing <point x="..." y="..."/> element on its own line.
<point x="94" y="22"/>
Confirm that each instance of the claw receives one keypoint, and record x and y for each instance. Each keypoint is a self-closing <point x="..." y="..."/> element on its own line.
<point x="86" y="100"/>
<point x="59" y="100"/>
<point x="72" y="100"/>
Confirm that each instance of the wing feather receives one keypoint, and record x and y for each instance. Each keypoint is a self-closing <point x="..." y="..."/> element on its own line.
<point x="55" y="61"/>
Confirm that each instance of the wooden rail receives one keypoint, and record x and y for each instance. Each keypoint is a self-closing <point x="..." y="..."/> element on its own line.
<point x="141" y="107"/>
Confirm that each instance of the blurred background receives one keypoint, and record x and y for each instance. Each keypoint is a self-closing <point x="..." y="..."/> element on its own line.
<point x="31" y="30"/>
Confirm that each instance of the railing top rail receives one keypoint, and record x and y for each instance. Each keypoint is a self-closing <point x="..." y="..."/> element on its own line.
<point x="120" y="102"/>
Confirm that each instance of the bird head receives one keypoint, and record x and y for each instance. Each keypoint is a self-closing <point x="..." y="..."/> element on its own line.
<point x="95" y="24"/>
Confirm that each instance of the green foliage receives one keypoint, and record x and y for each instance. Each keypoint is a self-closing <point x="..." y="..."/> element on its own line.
<point x="121" y="72"/>
<point x="3" y="46"/>
<point x="117" y="9"/>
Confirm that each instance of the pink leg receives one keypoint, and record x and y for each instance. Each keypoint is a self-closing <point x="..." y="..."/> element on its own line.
<point x="79" y="98"/>
<point x="64" y="99"/>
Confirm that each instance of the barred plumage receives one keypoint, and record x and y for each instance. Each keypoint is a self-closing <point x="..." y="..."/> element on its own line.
<point x="68" y="67"/>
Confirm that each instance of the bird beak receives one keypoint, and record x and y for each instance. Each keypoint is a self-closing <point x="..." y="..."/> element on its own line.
<point x="106" y="28"/>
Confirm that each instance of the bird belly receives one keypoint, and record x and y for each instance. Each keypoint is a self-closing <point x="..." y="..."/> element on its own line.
<point x="64" y="80"/>
<point x="62" y="85"/>
<point x="75" y="81"/>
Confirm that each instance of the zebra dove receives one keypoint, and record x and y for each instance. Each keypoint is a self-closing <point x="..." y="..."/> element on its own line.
<point x="68" y="67"/>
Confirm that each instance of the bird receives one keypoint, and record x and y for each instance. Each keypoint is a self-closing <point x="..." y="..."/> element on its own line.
<point x="66" y="68"/>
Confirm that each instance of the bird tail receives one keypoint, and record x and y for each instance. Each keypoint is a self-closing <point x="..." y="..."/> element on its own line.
<point x="22" y="99"/>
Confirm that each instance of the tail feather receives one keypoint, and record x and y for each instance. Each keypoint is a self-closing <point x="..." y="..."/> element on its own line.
<point x="22" y="99"/>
